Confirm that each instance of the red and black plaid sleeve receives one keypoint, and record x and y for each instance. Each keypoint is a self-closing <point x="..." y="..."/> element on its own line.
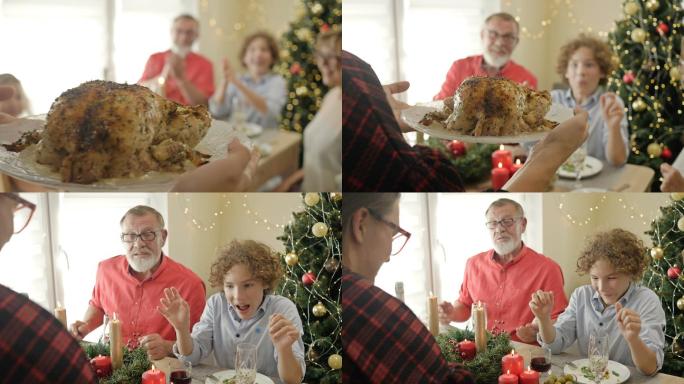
<point x="35" y="347"/>
<point x="384" y="342"/>
<point x="375" y="155"/>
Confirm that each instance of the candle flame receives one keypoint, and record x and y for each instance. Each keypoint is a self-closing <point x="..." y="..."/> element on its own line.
<point x="501" y="147"/>
<point x="153" y="368"/>
<point x="500" y="164"/>
<point x="114" y="316"/>
<point x="431" y="295"/>
<point x="517" y="161"/>
<point x="512" y="351"/>
<point x="529" y="368"/>
<point x="508" y="372"/>
<point x="59" y="304"/>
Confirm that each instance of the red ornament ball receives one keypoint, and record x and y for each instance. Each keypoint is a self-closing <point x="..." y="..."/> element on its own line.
<point x="325" y="27"/>
<point x="308" y="278"/>
<point x="295" y="68"/>
<point x="666" y="154"/>
<point x="628" y="77"/>
<point x="457" y="148"/>
<point x="663" y="29"/>
<point x="673" y="272"/>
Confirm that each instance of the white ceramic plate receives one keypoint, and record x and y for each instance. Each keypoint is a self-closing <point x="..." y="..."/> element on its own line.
<point x="249" y="129"/>
<point x="23" y="165"/>
<point x="224" y="375"/>
<point x="589" y="190"/>
<point x="413" y="115"/>
<point x="592" y="166"/>
<point x="617" y="373"/>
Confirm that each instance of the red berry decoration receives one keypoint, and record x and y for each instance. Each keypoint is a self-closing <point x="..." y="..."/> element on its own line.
<point x="457" y="148"/>
<point x="295" y="68"/>
<point x="628" y="77"/>
<point x="673" y="272"/>
<point x="666" y="154"/>
<point x="308" y="278"/>
<point x="663" y="29"/>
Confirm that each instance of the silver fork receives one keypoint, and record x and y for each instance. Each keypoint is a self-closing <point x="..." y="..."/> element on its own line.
<point x="213" y="378"/>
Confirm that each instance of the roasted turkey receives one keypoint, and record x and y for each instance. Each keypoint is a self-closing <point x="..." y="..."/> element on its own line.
<point x="102" y="129"/>
<point x="486" y="106"/>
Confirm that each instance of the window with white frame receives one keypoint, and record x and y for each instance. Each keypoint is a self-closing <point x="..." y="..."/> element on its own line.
<point x="54" y="45"/>
<point x="55" y="258"/>
<point x="414" y="40"/>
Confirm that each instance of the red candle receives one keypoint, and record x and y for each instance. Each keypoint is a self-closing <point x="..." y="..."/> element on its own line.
<point x="515" y="166"/>
<point x="508" y="378"/>
<point x="502" y="156"/>
<point x="466" y="349"/>
<point x="154" y="376"/>
<point x="529" y="377"/>
<point x="512" y="363"/>
<point x="500" y="176"/>
<point x="102" y="365"/>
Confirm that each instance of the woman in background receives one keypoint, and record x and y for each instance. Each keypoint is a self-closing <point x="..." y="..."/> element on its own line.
<point x="17" y="105"/>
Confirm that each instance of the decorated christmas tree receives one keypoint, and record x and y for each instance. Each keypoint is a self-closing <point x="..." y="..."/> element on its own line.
<point x="312" y="281"/>
<point x="647" y="42"/>
<point x="297" y="62"/>
<point x="664" y="277"/>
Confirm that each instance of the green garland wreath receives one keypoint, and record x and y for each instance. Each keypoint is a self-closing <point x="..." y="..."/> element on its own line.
<point x="486" y="366"/>
<point x="475" y="165"/>
<point x="135" y="363"/>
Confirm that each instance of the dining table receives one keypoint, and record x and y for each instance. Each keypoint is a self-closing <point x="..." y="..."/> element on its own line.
<point x="199" y="372"/>
<point x="559" y="361"/>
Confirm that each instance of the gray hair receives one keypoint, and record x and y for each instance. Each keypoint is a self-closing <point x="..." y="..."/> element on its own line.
<point x="505" y="17"/>
<point x="142" y="210"/>
<point x="503" y="202"/>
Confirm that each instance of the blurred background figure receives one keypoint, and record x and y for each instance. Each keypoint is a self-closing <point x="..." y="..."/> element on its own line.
<point x="17" y="105"/>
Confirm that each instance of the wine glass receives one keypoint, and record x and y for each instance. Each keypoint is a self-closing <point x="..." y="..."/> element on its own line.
<point x="577" y="160"/>
<point x="181" y="373"/>
<point x="598" y="354"/>
<point x="540" y="360"/>
<point x="245" y="363"/>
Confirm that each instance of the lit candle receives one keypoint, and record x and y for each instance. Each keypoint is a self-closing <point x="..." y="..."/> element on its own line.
<point x="153" y="376"/>
<point x="479" y="314"/>
<point x="102" y="365"/>
<point x="529" y="377"/>
<point x="515" y="166"/>
<point x="60" y="314"/>
<point x="508" y="378"/>
<point x="512" y="363"/>
<point x="502" y="156"/>
<point x="466" y="349"/>
<point x="433" y="319"/>
<point x="115" y="342"/>
<point x="500" y="176"/>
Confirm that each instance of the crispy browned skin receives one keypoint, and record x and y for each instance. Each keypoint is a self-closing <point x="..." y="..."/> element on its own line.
<point x="102" y="129"/>
<point x="486" y="106"/>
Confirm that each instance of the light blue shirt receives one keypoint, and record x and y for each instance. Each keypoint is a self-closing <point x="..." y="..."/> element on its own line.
<point x="220" y="329"/>
<point x="271" y="87"/>
<point x="586" y="312"/>
<point x="598" y="130"/>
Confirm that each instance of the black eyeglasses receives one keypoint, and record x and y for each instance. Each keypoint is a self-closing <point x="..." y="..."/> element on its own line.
<point x="507" y="38"/>
<point x="507" y="222"/>
<point x="400" y="236"/>
<point x="144" y="236"/>
<point x="23" y="212"/>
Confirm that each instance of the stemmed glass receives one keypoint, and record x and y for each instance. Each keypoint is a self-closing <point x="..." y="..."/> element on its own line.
<point x="577" y="160"/>
<point x="245" y="363"/>
<point x="598" y="354"/>
<point x="540" y="360"/>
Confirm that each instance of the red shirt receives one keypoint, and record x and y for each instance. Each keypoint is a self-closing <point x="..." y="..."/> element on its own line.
<point x="135" y="302"/>
<point x="507" y="289"/>
<point x="198" y="70"/>
<point x="472" y="66"/>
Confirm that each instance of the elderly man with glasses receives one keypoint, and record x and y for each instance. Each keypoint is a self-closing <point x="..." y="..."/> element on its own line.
<point x="131" y="286"/>
<point x="34" y="346"/>
<point x="500" y="36"/>
<point x="505" y="277"/>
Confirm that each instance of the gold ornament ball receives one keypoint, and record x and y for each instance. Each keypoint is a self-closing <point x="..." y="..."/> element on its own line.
<point x="639" y="105"/>
<point x="652" y="5"/>
<point x="335" y="196"/>
<point x="319" y="310"/>
<point x="335" y="361"/>
<point x="319" y="229"/>
<point x="654" y="149"/>
<point x="680" y="304"/>
<point x="657" y="253"/>
<point x="291" y="259"/>
<point x="311" y="199"/>
<point x="638" y="35"/>
<point x="631" y="8"/>
<point x="680" y="223"/>
<point x="677" y="196"/>
<point x="675" y="74"/>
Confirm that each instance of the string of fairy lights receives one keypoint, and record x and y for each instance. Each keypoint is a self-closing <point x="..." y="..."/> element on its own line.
<point x="630" y="210"/>
<point x="253" y="8"/>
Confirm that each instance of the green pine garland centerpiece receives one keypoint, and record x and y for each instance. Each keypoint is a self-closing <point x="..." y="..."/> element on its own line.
<point x="486" y="366"/>
<point x="473" y="164"/>
<point x="135" y="363"/>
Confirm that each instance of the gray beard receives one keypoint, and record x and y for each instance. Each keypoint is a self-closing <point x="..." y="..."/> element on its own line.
<point x="505" y="248"/>
<point x="180" y="51"/>
<point x="496" y="62"/>
<point x="140" y="265"/>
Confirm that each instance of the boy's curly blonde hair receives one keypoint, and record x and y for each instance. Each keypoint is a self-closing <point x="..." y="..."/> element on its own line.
<point x="259" y="258"/>
<point x="621" y="248"/>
